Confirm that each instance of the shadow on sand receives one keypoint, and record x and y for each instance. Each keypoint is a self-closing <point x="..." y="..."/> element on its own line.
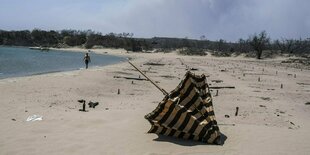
<point x="184" y="142"/>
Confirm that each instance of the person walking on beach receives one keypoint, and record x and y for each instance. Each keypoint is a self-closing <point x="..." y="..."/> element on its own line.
<point x="86" y="59"/>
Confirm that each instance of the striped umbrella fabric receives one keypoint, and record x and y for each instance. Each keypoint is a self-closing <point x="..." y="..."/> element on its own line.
<point x="187" y="112"/>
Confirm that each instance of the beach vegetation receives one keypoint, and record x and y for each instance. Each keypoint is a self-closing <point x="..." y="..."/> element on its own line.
<point x="257" y="45"/>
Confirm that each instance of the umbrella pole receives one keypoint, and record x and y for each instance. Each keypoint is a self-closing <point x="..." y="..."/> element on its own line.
<point x="161" y="89"/>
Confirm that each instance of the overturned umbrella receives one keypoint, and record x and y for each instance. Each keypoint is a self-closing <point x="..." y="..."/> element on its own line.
<point x="186" y="112"/>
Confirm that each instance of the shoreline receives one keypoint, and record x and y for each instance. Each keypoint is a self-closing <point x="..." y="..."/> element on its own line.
<point x="80" y="50"/>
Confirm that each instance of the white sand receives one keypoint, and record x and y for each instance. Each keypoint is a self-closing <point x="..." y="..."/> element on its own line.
<point x="271" y="120"/>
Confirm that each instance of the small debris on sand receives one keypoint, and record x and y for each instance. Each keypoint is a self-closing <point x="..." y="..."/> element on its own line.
<point x="301" y="83"/>
<point x="193" y="69"/>
<point x="93" y="104"/>
<point x="265" y="98"/>
<point x="217" y="81"/>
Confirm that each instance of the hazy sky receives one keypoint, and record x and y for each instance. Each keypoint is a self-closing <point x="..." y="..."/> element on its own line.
<point x="216" y="19"/>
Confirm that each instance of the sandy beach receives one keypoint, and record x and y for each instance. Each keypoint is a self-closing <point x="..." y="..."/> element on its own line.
<point x="271" y="119"/>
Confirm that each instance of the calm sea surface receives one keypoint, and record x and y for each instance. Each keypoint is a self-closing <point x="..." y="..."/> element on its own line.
<point x="15" y="61"/>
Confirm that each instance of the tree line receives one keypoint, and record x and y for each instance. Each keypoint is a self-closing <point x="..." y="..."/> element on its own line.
<point x="67" y="38"/>
<point x="256" y="43"/>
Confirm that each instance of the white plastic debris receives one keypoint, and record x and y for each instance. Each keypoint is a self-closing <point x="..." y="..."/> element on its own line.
<point x="34" y="118"/>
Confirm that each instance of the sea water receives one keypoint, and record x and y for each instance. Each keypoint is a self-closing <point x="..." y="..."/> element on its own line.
<point x="18" y="61"/>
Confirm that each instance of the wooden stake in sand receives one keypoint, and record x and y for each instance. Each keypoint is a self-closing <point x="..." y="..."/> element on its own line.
<point x="237" y="110"/>
<point x="165" y="92"/>
<point x="161" y="89"/>
<point x="84" y="105"/>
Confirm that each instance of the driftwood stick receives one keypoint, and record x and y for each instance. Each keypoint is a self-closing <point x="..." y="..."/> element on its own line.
<point x="226" y="124"/>
<point x="129" y="78"/>
<point x="223" y="87"/>
<point x="161" y="89"/>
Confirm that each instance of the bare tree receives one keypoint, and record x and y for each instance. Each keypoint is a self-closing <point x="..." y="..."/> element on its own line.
<point x="243" y="46"/>
<point x="259" y="43"/>
<point x="220" y="45"/>
<point x="285" y="45"/>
